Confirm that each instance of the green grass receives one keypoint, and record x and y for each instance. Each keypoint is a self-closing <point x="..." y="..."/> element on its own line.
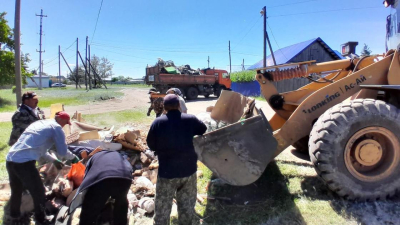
<point x="243" y="76"/>
<point x="66" y="96"/>
<point x="120" y="118"/>
<point x="259" y="98"/>
<point x="289" y="192"/>
<point x="5" y="131"/>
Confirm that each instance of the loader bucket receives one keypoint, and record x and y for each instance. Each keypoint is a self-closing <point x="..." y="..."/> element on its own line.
<point x="240" y="152"/>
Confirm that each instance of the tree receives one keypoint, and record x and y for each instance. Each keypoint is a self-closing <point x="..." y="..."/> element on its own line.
<point x="7" y="62"/>
<point x="6" y="34"/>
<point x="102" y="66"/>
<point x="366" y="51"/>
<point x="77" y="79"/>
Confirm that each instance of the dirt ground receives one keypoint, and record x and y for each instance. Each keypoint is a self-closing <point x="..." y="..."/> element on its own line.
<point x="134" y="98"/>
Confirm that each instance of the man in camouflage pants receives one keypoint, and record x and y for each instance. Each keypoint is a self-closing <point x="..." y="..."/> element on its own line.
<point x="156" y="104"/>
<point x="171" y="137"/>
<point x="26" y="114"/>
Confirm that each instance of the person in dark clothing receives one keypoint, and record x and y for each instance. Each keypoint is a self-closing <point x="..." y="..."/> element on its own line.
<point x="108" y="174"/>
<point x="26" y="114"/>
<point x="171" y="137"/>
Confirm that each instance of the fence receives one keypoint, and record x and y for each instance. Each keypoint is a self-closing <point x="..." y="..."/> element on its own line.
<point x="253" y="88"/>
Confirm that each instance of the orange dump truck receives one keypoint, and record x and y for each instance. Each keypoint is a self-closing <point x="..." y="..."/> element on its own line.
<point x="209" y="81"/>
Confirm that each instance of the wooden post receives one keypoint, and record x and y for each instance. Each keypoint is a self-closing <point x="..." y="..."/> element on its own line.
<point x="90" y="79"/>
<point x="264" y="10"/>
<point x="230" y="62"/>
<point x="77" y="62"/>
<point x="17" y="43"/>
<point x="59" y="65"/>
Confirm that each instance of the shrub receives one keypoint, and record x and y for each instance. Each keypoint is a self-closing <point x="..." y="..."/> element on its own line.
<point x="13" y="89"/>
<point x="243" y="76"/>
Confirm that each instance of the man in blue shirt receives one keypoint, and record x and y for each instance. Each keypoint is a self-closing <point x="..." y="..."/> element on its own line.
<point x="33" y="144"/>
<point x="171" y="137"/>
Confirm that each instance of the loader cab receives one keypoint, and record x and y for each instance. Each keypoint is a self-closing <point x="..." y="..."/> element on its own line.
<point x="392" y="24"/>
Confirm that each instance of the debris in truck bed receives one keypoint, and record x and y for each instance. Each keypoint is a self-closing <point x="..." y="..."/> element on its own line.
<point x="169" y="67"/>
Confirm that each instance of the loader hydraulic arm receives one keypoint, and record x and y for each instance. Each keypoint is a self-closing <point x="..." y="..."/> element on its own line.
<point x="297" y="110"/>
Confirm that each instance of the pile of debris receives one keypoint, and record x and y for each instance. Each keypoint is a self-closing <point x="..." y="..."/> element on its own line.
<point x="85" y="140"/>
<point x="170" y="68"/>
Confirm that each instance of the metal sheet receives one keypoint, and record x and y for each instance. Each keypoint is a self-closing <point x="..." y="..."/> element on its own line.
<point x="240" y="152"/>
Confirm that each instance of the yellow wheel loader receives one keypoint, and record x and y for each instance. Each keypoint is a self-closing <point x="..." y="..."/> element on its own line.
<point x="350" y="119"/>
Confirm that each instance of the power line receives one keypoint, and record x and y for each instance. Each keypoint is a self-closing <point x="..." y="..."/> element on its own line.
<point x="241" y="53"/>
<point x="56" y="57"/>
<point x="248" y="31"/>
<point x="277" y="42"/>
<point x="121" y="53"/>
<point x="294" y="3"/>
<point x="324" y="11"/>
<point x="152" y="50"/>
<point x="97" y="20"/>
<point x="199" y="45"/>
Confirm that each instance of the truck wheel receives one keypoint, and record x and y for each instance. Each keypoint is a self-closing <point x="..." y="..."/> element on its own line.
<point x="302" y="144"/>
<point x="217" y="92"/>
<point x="192" y="93"/>
<point x="355" y="149"/>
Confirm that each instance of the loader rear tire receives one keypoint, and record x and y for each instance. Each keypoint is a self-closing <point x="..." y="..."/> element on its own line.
<point x="356" y="151"/>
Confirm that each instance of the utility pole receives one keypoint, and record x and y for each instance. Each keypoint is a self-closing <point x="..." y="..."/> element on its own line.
<point x="266" y="39"/>
<point x="40" y="49"/>
<point x="59" y="65"/>
<point x="208" y="60"/>
<point x="90" y="81"/>
<point x="86" y="77"/>
<point x="243" y="65"/>
<point x="230" y="62"/>
<point x="17" y="43"/>
<point x="77" y="62"/>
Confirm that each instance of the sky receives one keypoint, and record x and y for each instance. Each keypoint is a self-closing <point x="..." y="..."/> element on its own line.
<point x="134" y="34"/>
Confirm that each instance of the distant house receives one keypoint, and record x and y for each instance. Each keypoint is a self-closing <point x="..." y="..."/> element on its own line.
<point x="34" y="81"/>
<point x="314" y="49"/>
<point x="56" y="79"/>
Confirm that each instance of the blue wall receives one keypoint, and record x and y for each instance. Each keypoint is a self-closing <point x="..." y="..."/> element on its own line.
<point x="247" y="88"/>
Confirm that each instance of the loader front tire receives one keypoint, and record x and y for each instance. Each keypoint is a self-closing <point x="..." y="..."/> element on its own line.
<point x="356" y="151"/>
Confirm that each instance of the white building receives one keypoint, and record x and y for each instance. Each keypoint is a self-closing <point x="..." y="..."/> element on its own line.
<point x="34" y="81"/>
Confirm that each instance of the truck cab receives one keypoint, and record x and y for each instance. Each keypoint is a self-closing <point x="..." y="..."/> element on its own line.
<point x="223" y="78"/>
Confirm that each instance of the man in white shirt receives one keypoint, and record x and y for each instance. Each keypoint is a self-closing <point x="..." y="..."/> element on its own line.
<point x="182" y="103"/>
<point x="33" y="144"/>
